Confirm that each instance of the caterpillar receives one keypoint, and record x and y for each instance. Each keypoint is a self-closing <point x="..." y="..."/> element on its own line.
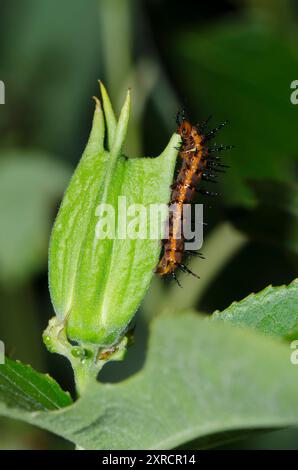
<point x="197" y="164"/>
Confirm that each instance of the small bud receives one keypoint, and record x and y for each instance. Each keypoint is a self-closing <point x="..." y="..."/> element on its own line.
<point x="97" y="284"/>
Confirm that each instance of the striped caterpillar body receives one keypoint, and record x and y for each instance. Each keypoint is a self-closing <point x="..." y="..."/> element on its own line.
<point x="197" y="164"/>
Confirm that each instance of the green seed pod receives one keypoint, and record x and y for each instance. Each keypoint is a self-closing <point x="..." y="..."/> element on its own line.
<point x="97" y="284"/>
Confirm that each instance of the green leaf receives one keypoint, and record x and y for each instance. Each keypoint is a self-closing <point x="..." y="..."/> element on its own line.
<point x="97" y="284"/>
<point x="201" y="378"/>
<point x="273" y="311"/>
<point x="109" y="115"/>
<point x="31" y="183"/>
<point x="24" y="388"/>
<point x="230" y="70"/>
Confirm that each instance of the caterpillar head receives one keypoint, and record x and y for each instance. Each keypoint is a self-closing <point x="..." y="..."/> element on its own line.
<point x="184" y="126"/>
<point x="184" y="129"/>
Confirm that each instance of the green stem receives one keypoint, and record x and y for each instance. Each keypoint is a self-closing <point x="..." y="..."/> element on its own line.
<point x="222" y="245"/>
<point x="86" y="360"/>
<point x="121" y="70"/>
<point x="116" y="25"/>
<point x="85" y="374"/>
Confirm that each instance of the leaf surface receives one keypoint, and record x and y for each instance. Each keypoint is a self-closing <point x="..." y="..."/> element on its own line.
<point x="24" y="388"/>
<point x="200" y="379"/>
<point x="273" y="311"/>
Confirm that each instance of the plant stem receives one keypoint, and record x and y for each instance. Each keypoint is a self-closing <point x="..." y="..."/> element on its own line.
<point x="222" y="245"/>
<point x="116" y="25"/>
<point x="85" y="375"/>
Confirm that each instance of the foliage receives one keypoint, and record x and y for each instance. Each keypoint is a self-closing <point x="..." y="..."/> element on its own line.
<point x="200" y="379"/>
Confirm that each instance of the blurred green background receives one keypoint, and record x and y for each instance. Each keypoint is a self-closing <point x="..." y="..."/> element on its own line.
<point x="231" y="59"/>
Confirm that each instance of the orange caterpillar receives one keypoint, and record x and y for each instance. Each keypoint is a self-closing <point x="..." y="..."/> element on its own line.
<point x="197" y="164"/>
